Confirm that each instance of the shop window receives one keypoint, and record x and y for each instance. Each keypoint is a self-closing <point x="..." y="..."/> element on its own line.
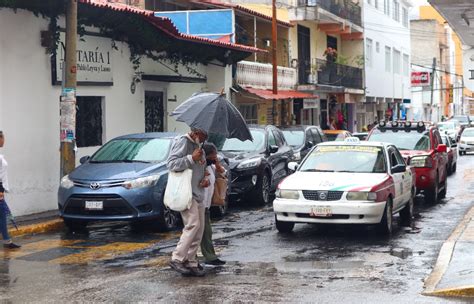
<point x="406" y="65"/>
<point x="388" y="59"/>
<point x="250" y="113"/>
<point x="89" y="121"/>
<point x="368" y="52"/>
<point x="396" y="61"/>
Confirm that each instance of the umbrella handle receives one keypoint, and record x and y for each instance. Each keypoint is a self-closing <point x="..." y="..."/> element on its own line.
<point x="222" y="91"/>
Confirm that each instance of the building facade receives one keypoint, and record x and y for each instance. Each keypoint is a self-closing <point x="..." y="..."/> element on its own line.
<point x="387" y="61"/>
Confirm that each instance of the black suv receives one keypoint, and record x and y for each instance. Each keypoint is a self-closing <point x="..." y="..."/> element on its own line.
<point x="302" y="139"/>
<point x="257" y="166"/>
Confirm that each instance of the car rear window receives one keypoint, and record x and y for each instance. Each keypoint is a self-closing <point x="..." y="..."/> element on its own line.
<point x="133" y="150"/>
<point x="345" y="158"/>
<point x="403" y="140"/>
<point x="294" y="138"/>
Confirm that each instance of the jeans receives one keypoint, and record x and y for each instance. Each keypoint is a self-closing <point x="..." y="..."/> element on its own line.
<point x="3" y="222"/>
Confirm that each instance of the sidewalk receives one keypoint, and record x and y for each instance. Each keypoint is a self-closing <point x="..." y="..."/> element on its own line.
<point x="36" y="223"/>
<point x="453" y="274"/>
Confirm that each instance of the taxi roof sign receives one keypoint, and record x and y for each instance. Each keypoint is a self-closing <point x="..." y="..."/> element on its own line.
<point x="352" y="140"/>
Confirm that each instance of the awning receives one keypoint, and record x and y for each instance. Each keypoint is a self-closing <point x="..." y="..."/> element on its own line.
<point x="282" y="94"/>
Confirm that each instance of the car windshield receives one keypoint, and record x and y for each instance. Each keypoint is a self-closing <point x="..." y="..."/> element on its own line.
<point x="144" y="150"/>
<point x="345" y="158"/>
<point x="294" y="138"/>
<point x="412" y="140"/>
<point x="447" y="126"/>
<point x="468" y="133"/>
<point x="233" y="144"/>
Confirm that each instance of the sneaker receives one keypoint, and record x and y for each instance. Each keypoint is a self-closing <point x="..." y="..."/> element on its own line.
<point x="196" y="272"/>
<point x="11" y="246"/>
<point x="180" y="267"/>
<point x="216" y="262"/>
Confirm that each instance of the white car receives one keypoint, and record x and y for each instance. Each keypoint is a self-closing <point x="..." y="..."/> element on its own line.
<point x="350" y="182"/>
<point x="449" y="128"/>
<point x="466" y="142"/>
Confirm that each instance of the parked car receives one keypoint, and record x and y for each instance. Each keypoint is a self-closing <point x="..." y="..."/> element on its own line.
<point x="422" y="147"/>
<point x="302" y="139"/>
<point x="464" y="120"/>
<point x="452" y="153"/>
<point x="361" y="135"/>
<point x="257" y="166"/>
<point x="350" y="182"/>
<point x="337" y="135"/>
<point x="449" y="128"/>
<point x="124" y="180"/>
<point x="466" y="142"/>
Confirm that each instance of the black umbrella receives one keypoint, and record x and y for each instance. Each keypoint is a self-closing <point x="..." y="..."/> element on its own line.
<point x="213" y="113"/>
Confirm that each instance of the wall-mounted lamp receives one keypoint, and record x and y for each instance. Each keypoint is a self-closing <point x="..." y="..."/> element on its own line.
<point x="137" y="77"/>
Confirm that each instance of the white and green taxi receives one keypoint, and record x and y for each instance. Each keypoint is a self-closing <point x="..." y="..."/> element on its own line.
<point x="350" y="182"/>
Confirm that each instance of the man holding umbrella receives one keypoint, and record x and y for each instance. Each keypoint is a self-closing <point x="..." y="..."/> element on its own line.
<point x="186" y="153"/>
<point x="205" y="113"/>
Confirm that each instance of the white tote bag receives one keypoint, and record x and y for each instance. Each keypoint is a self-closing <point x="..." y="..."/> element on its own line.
<point x="179" y="192"/>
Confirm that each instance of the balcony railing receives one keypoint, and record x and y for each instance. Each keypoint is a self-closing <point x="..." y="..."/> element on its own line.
<point x="342" y="8"/>
<point x="318" y="71"/>
<point x="259" y="75"/>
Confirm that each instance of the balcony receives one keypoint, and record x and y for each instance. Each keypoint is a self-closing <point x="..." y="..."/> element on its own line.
<point x="259" y="75"/>
<point x="322" y="72"/>
<point x="345" y="9"/>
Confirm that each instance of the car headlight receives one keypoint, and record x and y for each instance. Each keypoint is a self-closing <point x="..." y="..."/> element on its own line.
<point x="287" y="194"/>
<point x="421" y="161"/>
<point x="361" y="196"/>
<point x="250" y="163"/>
<point x="142" y="182"/>
<point x="297" y="156"/>
<point x="66" y="183"/>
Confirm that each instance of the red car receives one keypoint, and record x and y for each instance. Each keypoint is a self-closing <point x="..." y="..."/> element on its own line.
<point x="422" y="147"/>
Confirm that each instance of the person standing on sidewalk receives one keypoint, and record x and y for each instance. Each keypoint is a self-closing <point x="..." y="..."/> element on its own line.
<point x="213" y="168"/>
<point x="186" y="153"/>
<point x="8" y="244"/>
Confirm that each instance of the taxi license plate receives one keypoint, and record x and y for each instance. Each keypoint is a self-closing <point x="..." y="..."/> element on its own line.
<point x="323" y="211"/>
<point x="94" y="205"/>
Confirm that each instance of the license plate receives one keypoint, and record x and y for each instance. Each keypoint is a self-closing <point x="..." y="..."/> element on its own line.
<point x="323" y="211"/>
<point x="94" y="205"/>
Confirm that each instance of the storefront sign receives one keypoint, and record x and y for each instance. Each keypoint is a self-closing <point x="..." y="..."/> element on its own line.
<point x="468" y="68"/>
<point x="94" y="61"/>
<point x="420" y="79"/>
<point x="310" y="103"/>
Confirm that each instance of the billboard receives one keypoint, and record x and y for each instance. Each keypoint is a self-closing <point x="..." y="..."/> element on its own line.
<point x="213" y="24"/>
<point x="420" y="79"/>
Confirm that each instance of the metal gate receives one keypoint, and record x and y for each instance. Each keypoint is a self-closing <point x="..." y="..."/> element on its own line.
<point x="154" y="111"/>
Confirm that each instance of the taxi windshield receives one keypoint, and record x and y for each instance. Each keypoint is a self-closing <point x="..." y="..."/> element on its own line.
<point x="412" y="140"/>
<point x="345" y="158"/>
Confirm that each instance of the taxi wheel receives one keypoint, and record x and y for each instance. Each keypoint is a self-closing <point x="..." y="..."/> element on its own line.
<point x="284" y="227"/>
<point x="406" y="214"/>
<point x="385" y="226"/>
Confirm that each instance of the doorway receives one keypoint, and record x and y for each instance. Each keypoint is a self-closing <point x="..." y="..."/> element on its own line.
<point x="304" y="54"/>
<point x="154" y="111"/>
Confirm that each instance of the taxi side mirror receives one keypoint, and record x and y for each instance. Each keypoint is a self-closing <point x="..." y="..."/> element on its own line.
<point x="399" y="168"/>
<point x="442" y="148"/>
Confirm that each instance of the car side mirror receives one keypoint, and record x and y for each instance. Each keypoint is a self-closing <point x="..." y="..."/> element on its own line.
<point x="84" y="159"/>
<point x="442" y="148"/>
<point x="273" y="149"/>
<point x="399" y="168"/>
<point x="454" y="145"/>
<point x="293" y="166"/>
<point x="309" y="144"/>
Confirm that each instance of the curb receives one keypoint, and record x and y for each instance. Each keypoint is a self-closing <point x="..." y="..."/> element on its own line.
<point x="42" y="227"/>
<point x="442" y="263"/>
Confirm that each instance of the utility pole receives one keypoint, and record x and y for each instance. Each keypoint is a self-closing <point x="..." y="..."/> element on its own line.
<point x="68" y="93"/>
<point x="432" y="88"/>
<point x="274" y="56"/>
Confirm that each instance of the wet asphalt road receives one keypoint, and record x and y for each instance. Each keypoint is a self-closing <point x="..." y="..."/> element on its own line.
<point x="323" y="264"/>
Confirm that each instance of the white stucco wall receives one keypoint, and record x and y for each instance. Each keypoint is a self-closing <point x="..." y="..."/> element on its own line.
<point x="384" y="29"/>
<point x="29" y="107"/>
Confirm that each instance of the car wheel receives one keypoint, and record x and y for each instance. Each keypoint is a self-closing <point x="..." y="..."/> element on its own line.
<point x="168" y="219"/>
<point x="450" y="169"/>
<point x="263" y="190"/>
<point x="443" y="192"/>
<point x="454" y="167"/>
<point x="385" y="226"/>
<point x="284" y="227"/>
<point x="431" y="196"/>
<point x="220" y="211"/>
<point x="406" y="214"/>
<point x="75" y="225"/>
